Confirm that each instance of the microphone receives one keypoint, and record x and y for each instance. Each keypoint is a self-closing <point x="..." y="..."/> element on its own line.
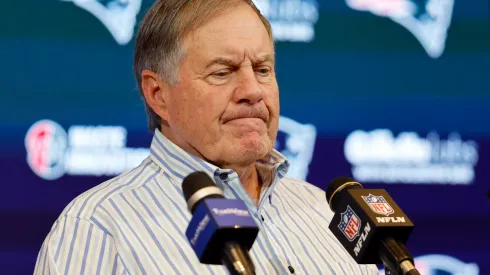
<point x="370" y="226"/>
<point x="221" y="231"/>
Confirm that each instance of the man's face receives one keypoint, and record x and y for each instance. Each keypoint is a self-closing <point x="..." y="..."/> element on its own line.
<point x="226" y="106"/>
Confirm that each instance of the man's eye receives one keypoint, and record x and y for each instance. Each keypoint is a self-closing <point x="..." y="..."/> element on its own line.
<point x="264" y="71"/>
<point x="221" y="74"/>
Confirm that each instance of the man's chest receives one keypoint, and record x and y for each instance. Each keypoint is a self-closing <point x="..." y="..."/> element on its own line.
<point x="291" y="239"/>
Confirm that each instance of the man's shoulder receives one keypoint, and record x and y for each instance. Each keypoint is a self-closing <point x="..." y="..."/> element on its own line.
<point x="85" y="204"/>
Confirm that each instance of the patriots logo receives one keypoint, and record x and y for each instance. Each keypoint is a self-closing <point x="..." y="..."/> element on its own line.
<point x="428" y="22"/>
<point x="119" y="16"/>
<point x="349" y="224"/>
<point x="378" y="204"/>
<point x="296" y="141"/>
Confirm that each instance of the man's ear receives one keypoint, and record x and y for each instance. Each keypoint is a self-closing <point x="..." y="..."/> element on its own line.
<point x="155" y="92"/>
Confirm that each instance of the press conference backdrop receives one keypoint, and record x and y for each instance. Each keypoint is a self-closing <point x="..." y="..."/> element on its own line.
<point x="393" y="93"/>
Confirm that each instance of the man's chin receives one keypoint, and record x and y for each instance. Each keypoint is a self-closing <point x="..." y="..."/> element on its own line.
<point x="252" y="149"/>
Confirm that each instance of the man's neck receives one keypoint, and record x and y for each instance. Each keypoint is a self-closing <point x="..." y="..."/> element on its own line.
<point x="248" y="174"/>
<point x="250" y="179"/>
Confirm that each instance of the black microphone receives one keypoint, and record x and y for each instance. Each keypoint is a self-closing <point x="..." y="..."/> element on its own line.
<point x="221" y="231"/>
<point x="370" y="226"/>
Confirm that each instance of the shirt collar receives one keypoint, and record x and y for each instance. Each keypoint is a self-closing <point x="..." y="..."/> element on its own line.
<point x="180" y="163"/>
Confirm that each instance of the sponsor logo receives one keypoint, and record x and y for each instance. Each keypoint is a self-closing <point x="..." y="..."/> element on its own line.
<point x="231" y="211"/>
<point x="291" y="20"/>
<point x="82" y="150"/>
<point x="361" y="240"/>
<point x="378" y="205"/>
<point x="379" y="156"/>
<point x="118" y="16"/>
<point x="202" y="225"/>
<point x="46" y="143"/>
<point x="429" y="23"/>
<point x="390" y="219"/>
<point x="349" y="224"/>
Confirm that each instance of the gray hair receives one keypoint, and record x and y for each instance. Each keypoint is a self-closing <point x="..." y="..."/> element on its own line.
<point x="160" y="39"/>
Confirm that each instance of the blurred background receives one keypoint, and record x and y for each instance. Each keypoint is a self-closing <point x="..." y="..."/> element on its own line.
<point x="395" y="93"/>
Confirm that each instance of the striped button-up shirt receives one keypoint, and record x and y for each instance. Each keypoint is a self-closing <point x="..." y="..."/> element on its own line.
<point x="136" y="223"/>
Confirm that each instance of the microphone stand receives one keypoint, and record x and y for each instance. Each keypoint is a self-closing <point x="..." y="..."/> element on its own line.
<point x="236" y="260"/>
<point x="396" y="258"/>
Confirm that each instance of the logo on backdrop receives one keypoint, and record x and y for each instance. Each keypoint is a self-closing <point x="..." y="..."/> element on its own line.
<point x="119" y="16"/>
<point x="428" y="24"/>
<point x="84" y="150"/>
<point x="378" y="204"/>
<point x="291" y="20"/>
<point x="296" y="142"/>
<point x="443" y="264"/>
<point x="87" y="150"/>
<point x="349" y="224"/>
<point x="46" y="143"/>
<point x="379" y="156"/>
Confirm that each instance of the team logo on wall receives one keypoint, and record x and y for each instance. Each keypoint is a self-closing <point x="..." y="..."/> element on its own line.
<point x="378" y="205"/>
<point x="296" y="141"/>
<point x="443" y="264"/>
<point x="291" y="20"/>
<point x="429" y="23"/>
<point x="119" y="16"/>
<point x="46" y="143"/>
<point x="349" y="224"/>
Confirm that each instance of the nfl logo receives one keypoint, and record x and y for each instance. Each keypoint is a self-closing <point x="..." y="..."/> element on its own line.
<point x="349" y="224"/>
<point x="378" y="204"/>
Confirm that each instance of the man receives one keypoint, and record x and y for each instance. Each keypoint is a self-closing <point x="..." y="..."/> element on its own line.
<point x="206" y="71"/>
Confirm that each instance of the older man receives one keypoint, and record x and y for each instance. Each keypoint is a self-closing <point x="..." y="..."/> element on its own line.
<point x="206" y="71"/>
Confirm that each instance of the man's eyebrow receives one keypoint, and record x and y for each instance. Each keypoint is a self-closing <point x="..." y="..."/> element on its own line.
<point x="230" y="63"/>
<point x="221" y="61"/>
<point x="265" y="58"/>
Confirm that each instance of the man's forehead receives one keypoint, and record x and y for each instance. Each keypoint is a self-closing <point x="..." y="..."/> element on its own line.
<point x="240" y="24"/>
<point x="254" y="49"/>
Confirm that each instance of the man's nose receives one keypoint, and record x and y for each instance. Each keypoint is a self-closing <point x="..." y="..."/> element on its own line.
<point x="248" y="89"/>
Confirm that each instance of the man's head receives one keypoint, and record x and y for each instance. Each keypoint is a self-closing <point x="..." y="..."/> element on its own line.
<point x="206" y="71"/>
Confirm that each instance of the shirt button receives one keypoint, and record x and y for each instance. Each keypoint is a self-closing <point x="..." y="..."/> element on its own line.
<point x="291" y="269"/>
<point x="262" y="217"/>
<point x="223" y="176"/>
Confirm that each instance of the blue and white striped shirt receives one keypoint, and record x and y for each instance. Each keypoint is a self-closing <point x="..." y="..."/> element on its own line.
<point x="136" y="222"/>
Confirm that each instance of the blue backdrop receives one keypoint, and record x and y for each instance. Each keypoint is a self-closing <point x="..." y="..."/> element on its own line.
<point x="394" y="93"/>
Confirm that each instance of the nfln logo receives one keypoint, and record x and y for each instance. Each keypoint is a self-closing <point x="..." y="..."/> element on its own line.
<point x="390" y="219"/>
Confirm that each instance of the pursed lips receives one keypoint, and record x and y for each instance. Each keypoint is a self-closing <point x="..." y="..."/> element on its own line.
<point x="244" y="114"/>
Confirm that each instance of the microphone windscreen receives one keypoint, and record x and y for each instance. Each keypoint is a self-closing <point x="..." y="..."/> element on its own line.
<point x="336" y="187"/>
<point x="195" y="182"/>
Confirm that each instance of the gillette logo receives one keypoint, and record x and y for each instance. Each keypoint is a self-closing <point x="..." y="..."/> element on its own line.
<point x="429" y="23"/>
<point x="380" y="156"/>
<point x="231" y="211"/>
